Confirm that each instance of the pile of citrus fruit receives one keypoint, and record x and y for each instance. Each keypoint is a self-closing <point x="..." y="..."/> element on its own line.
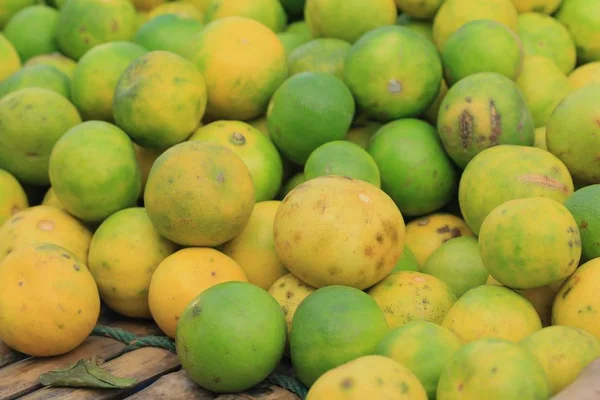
<point x="401" y="196"/>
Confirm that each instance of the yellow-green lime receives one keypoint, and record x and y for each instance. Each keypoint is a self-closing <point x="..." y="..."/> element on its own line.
<point x="32" y="42"/>
<point x="320" y="55"/>
<point x="37" y="76"/>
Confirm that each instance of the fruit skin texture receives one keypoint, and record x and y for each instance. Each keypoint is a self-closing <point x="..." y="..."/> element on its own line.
<point x="268" y="12"/>
<point x="348" y="19"/>
<point x="408" y="296"/>
<point x="354" y="230"/>
<point x="242" y="63"/>
<point x="159" y="99"/>
<point x="84" y="24"/>
<point x="344" y="158"/>
<point x="259" y="154"/>
<point x="424" y="235"/>
<point x="11" y="62"/>
<point x="60" y="297"/>
<point x="542" y="35"/>
<point x="184" y="275"/>
<point x="192" y="216"/>
<point x="169" y="32"/>
<point x="563" y="352"/>
<point x="57" y="60"/>
<point x="585" y="75"/>
<point x="75" y="164"/>
<point x="572" y="133"/>
<point x="583" y="206"/>
<point x="544" y="86"/>
<point x="530" y="242"/>
<point x="300" y="118"/>
<point x="458" y="263"/>
<point x="11" y="7"/>
<point x="32" y="42"/>
<point x="520" y="171"/>
<point x="289" y="291"/>
<point x="231" y="337"/>
<point x="453" y="14"/>
<point x="32" y="121"/>
<point x="492" y="312"/>
<point x="45" y="224"/>
<point x="254" y="247"/>
<point x="96" y="76"/>
<point x="491" y="46"/>
<point x="37" y="76"/>
<point x="582" y="19"/>
<point x="124" y="252"/>
<point x="354" y="381"/>
<point x="332" y="326"/>
<point x="12" y="196"/>
<point x="481" y="111"/>
<point x="577" y="301"/>
<point x="320" y="55"/>
<point x="404" y="88"/>
<point x="424" y="348"/>
<point x="415" y="170"/>
<point x="493" y="369"/>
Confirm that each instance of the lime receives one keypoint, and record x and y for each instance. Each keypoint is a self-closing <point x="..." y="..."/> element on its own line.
<point x="32" y="42"/>
<point x="320" y="55"/>
<point x="169" y="32"/>
<point x="583" y="205"/>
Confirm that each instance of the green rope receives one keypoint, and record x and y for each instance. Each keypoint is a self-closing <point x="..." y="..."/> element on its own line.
<point x="134" y="342"/>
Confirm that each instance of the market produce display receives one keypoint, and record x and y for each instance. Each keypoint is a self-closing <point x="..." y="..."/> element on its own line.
<point x="384" y="199"/>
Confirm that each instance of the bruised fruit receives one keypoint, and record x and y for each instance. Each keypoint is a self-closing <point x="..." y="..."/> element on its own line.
<point x="424" y="348"/>
<point x="572" y="133"/>
<point x="332" y="326"/>
<point x="520" y="171"/>
<point x="335" y="230"/>
<point x="415" y="171"/>
<point x="577" y="302"/>
<point x="355" y="381"/>
<point x="191" y="215"/>
<point x="563" y="352"/>
<point x="493" y="369"/>
<point x="481" y="111"/>
<point x="424" y="235"/>
<point x="412" y="296"/>
<point x="583" y="205"/>
<point x="231" y="337"/>
<point x="45" y="224"/>
<point x="492" y="312"/>
<point x="12" y="196"/>
<point x="48" y="300"/>
<point x="530" y="242"/>
<point x="182" y="276"/>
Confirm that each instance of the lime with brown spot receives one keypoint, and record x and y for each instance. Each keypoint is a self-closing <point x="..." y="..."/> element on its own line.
<point x="182" y="276"/>
<point x="32" y="42"/>
<point x="415" y="171"/>
<point x="582" y="205"/>
<point x="12" y="196"/>
<point x="371" y="376"/>
<point x="96" y="76"/>
<point x="553" y="242"/>
<point x="212" y="211"/>
<point x="343" y="158"/>
<point x="45" y="224"/>
<point x="32" y="121"/>
<point x="572" y="133"/>
<point x="426" y="234"/>
<point x="170" y="33"/>
<point x="57" y="60"/>
<point x="259" y="154"/>
<point x="332" y="326"/>
<point x="563" y="352"/>
<point x="458" y="263"/>
<point x="543" y="35"/>
<point x="335" y="230"/>
<point x="320" y="55"/>
<point x="492" y="312"/>
<point x="48" y="300"/>
<point x="412" y="296"/>
<point x="159" y="99"/>
<point x="231" y="337"/>
<point x="424" y="348"/>
<point x="94" y="172"/>
<point x="483" y="110"/>
<point x="520" y="171"/>
<point x="300" y="119"/>
<point x="393" y="73"/>
<point x="124" y="253"/>
<point x="493" y="369"/>
<point x="37" y="76"/>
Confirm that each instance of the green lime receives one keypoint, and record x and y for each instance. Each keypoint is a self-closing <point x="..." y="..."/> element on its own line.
<point x="407" y="262"/>
<point x="290" y="41"/>
<point x="169" y="32"/>
<point x="56" y="60"/>
<point x="320" y="55"/>
<point x="301" y="28"/>
<point x="425" y="28"/>
<point x="38" y="76"/>
<point x="583" y="204"/>
<point x="32" y="42"/>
